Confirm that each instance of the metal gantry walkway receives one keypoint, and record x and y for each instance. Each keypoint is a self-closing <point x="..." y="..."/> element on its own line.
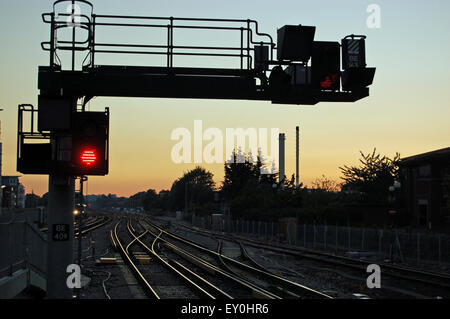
<point x="254" y="78"/>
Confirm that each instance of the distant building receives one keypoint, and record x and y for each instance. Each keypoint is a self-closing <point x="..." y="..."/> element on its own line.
<point x="13" y="192"/>
<point x="426" y="187"/>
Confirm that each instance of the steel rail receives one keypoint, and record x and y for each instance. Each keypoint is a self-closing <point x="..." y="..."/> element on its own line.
<point x="153" y="252"/>
<point x="293" y="285"/>
<point x="257" y="291"/>
<point x="92" y="226"/>
<point x="360" y="264"/>
<point x="138" y="274"/>
<point x="441" y="280"/>
<point x="245" y="255"/>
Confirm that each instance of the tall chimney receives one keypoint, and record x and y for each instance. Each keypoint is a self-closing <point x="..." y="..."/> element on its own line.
<point x="281" y="160"/>
<point x="297" y="176"/>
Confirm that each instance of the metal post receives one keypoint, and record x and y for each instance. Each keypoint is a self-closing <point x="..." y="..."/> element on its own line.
<point x="349" y="238"/>
<point x="265" y="230"/>
<point x="418" y="248"/>
<point x="296" y="233"/>
<point x="337" y="243"/>
<point x="73" y="35"/>
<point x="168" y="46"/>
<point x="93" y="42"/>
<point x="439" y="249"/>
<point x="304" y="235"/>
<point x="59" y="252"/>
<point x="52" y="41"/>
<point x="259" y="229"/>
<point x="288" y="233"/>
<point x="242" y="48"/>
<point x="314" y="235"/>
<point x="248" y="45"/>
<point x="171" y="42"/>
<point x="380" y="241"/>
<point x="10" y="244"/>
<point x="362" y="239"/>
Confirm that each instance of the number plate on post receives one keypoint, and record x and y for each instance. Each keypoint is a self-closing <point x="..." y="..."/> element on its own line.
<point x="61" y="232"/>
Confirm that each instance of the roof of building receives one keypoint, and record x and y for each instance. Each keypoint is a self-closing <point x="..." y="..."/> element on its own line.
<point x="437" y="155"/>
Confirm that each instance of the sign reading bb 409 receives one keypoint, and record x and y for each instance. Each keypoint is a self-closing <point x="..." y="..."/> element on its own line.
<point x="61" y="232"/>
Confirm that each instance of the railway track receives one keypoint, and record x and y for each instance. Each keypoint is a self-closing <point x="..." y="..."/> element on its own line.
<point x="119" y="246"/>
<point x="152" y="244"/>
<point x="199" y="284"/>
<point x="431" y="283"/>
<point x="235" y="285"/>
<point x="92" y="225"/>
<point x="277" y="285"/>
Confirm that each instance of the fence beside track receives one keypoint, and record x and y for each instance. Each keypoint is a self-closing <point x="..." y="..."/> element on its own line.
<point x="410" y="246"/>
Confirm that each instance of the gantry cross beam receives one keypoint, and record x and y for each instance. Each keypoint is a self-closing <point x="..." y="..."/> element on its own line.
<point x="197" y="83"/>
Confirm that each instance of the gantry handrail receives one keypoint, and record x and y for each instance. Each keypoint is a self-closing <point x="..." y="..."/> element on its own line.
<point x="244" y="27"/>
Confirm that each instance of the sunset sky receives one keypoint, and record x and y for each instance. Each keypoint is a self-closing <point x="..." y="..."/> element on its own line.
<point x="408" y="109"/>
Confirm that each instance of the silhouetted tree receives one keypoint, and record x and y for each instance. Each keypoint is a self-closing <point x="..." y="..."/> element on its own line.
<point x="200" y="188"/>
<point x="326" y="184"/>
<point x="150" y="199"/>
<point x="250" y="194"/>
<point x="372" y="178"/>
<point x="242" y="173"/>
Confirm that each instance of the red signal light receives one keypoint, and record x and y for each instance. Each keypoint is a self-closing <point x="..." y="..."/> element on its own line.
<point x="330" y="80"/>
<point x="88" y="157"/>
